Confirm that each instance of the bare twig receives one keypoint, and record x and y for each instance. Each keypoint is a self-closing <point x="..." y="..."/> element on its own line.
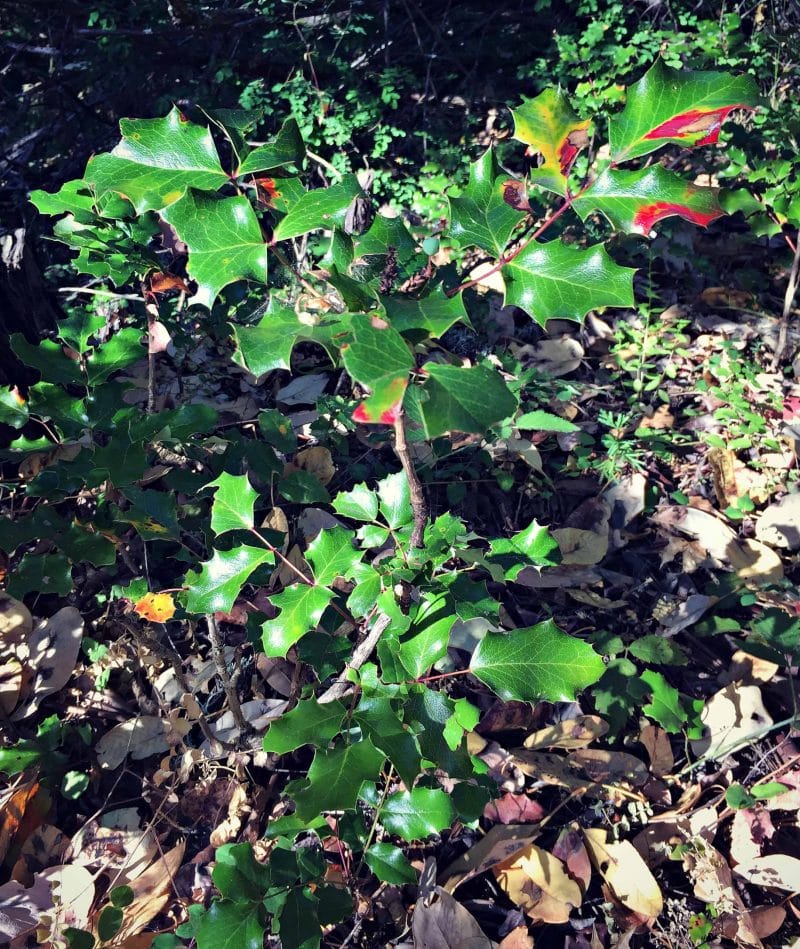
<point x="218" y="655"/>
<point x="419" y="505"/>
<point x="788" y="300"/>
<point x="361" y="653"/>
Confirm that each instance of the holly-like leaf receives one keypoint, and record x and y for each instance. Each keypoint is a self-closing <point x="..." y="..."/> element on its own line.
<point x="395" y="500"/>
<point x="73" y="197"/>
<point x="335" y="777"/>
<point x="432" y="315"/>
<point x="322" y="208"/>
<point x="220" y="580"/>
<point x="230" y="925"/>
<point x="665" y="706"/>
<point x="385" y="232"/>
<point x="123" y="349"/>
<point x="308" y="723"/>
<point x="155" y="607"/>
<point x="13" y="408"/>
<point x="380" y="722"/>
<point x="481" y="216"/>
<point x="534" y="546"/>
<point x="460" y="399"/>
<point x="549" y="126"/>
<point x="268" y="344"/>
<point x="301" y="607"/>
<point x="287" y="148"/>
<point x="556" y="280"/>
<point x="233" y="505"/>
<point x="333" y="555"/>
<point x="389" y="864"/>
<point x="540" y="421"/>
<point x="426" y="641"/>
<point x="634" y="201"/>
<point x="359" y="503"/>
<point x="685" y="107"/>
<point x="379" y="358"/>
<point x="156" y="161"/>
<point x="224" y="240"/>
<point x="417" y="814"/>
<point x="538" y="662"/>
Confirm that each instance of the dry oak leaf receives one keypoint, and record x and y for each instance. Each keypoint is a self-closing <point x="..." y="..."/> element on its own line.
<point x="539" y="884"/>
<point x="155" y="607"/>
<point x="625" y="873"/>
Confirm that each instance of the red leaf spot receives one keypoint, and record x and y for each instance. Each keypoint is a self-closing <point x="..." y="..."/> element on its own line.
<point x="389" y="417"/>
<point x="362" y="415"/>
<point x="695" y="121"/>
<point x="568" y="151"/>
<point x="649" y="214"/>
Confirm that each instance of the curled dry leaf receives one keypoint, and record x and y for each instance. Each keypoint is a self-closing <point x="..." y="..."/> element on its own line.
<point x="570" y="733"/>
<point x="150" y="893"/>
<point x="52" y="653"/>
<point x="22" y="908"/>
<point x="11" y="677"/>
<point x="625" y="872"/>
<point x="656" y="742"/>
<point x="538" y="883"/>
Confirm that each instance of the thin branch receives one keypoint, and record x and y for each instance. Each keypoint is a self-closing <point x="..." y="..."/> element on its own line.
<point x="218" y="655"/>
<point x="361" y="653"/>
<point x="419" y="505"/>
<point x="788" y="300"/>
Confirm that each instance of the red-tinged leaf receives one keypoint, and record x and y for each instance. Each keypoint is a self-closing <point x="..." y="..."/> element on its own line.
<point x="155" y="607"/>
<point x="637" y="200"/>
<point x="552" y="129"/>
<point x="379" y="358"/>
<point x="684" y="107"/>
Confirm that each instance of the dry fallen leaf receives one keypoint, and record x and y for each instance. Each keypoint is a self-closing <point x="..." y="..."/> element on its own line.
<point x="570" y="849"/>
<point x="441" y="922"/>
<point x="499" y="844"/>
<point x="155" y="607"/>
<point x="732" y="718"/>
<point x="779" y="524"/>
<point x="317" y="461"/>
<point x="52" y="653"/>
<point x="570" y="733"/>
<point x="138" y="737"/>
<point x="778" y="871"/>
<point x="538" y="883"/>
<point x="658" y="746"/>
<point x="16" y="623"/>
<point x="581" y="547"/>
<point x="150" y="892"/>
<point x="625" y="872"/>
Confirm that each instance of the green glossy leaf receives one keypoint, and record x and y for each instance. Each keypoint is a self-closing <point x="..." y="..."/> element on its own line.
<point x="385" y="232"/>
<point x="156" y="161"/>
<point x="551" y="128"/>
<point x="48" y="357"/>
<point x="287" y="148"/>
<point x="359" y="503"/>
<point x="634" y="201"/>
<point x="308" y="723"/>
<point x="378" y="357"/>
<point x="395" y="500"/>
<point x="73" y="197"/>
<point x="556" y="280"/>
<point x="538" y="662"/>
<point x="332" y="555"/>
<point x="268" y="344"/>
<point x="534" y="545"/>
<point x="380" y="721"/>
<point x="738" y="798"/>
<point x="665" y="706"/>
<point x="231" y="925"/>
<point x="335" y="776"/>
<point x="298" y="924"/>
<point x="768" y="790"/>
<point x="13" y="408"/>
<point x="541" y="421"/>
<point x="428" y="712"/>
<point x="222" y="577"/>
<point x="426" y="641"/>
<point x="123" y="349"/>
<point x="238" y="875"/>
<point x="658" y="649"/>
<point x="234" y="502"/>
<point x="481" y="216"/>
<point x="680" y="106"/>
<point x="277" y="430"/>
<point x="619" y="693"/>
<point x="301" y="487"/>
<point x="776" y="628"/>
<point x="323" y="208"/>
<point x="389" y="864"/>
<point x="366" y="591"/>
<point x="432" y="315"/>
<point x="459" y="399"/>
<point x="301" y="608"/>
<point x="224" y="240"/>
<point x="417" y="814"/>
<point x="122" y="896"/>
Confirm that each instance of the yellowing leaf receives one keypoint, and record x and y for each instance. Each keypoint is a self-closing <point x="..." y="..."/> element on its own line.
<point x="625" y="872"/>
<point x="155" y="607"/>
<point x="538" y="883"/>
